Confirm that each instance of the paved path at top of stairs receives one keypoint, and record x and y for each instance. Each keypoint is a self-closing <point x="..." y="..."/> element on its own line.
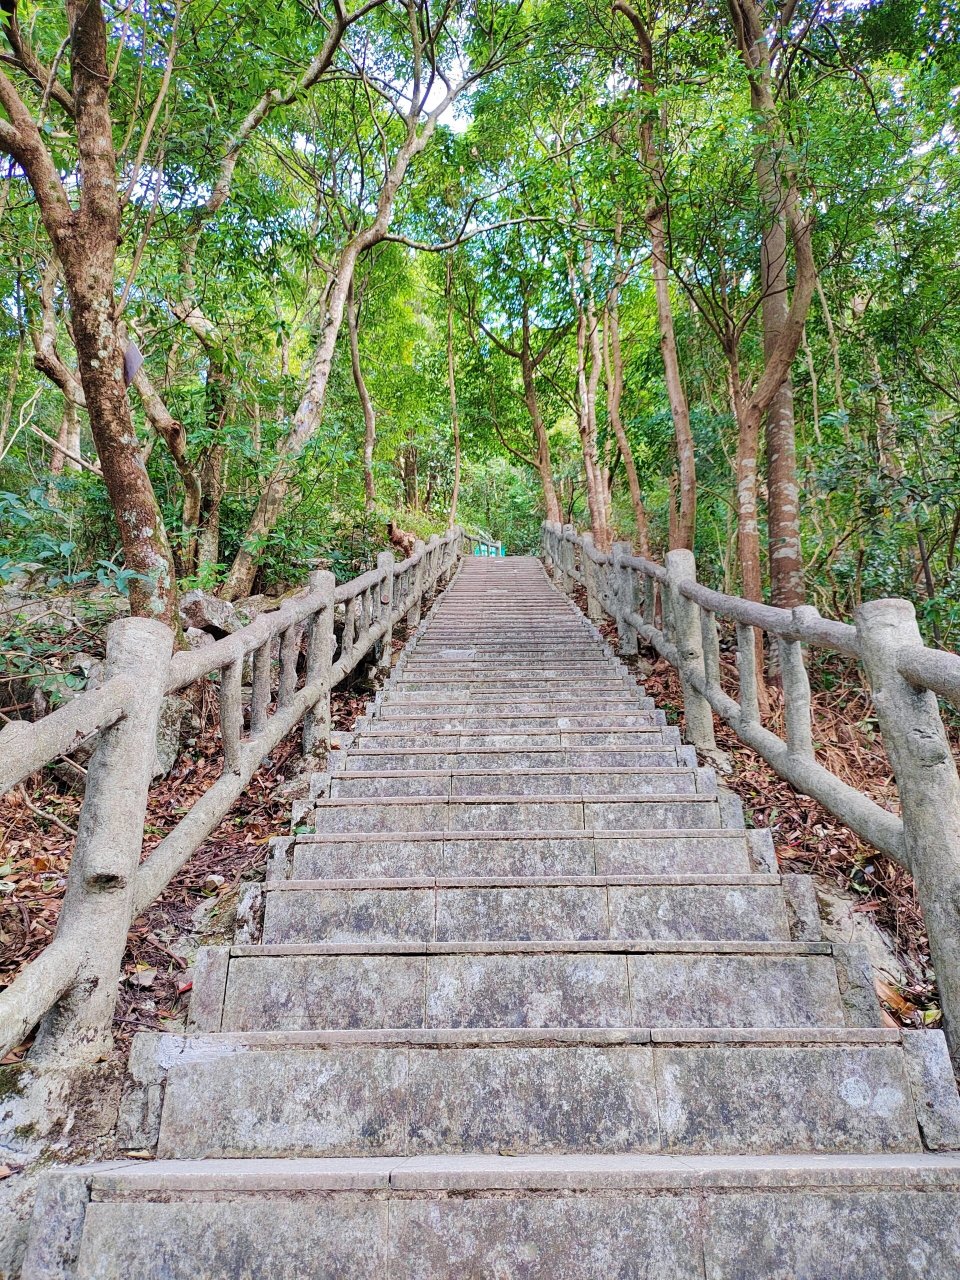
<point x="526" y="999"/>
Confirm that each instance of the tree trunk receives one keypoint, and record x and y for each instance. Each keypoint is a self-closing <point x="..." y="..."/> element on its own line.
<point x="544" y="460"/>
<point x="366" y="404"/>
<point x="613" y="363"/>
<point x="777" y="182"/>
<point x="747" y="470"/>
<point x="85" y="239"/>
<point x="68" y="439"/>
<point x="685" y="529"/>
<point x="783" y="508"/>
<point x="452" y="381"/>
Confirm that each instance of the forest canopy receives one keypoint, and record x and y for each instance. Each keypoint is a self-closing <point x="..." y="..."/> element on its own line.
<point x="275" y="276"/>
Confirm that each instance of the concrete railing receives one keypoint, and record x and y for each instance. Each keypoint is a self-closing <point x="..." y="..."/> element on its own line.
<point x="291" y="659"/>
<point x="665" y="606"/>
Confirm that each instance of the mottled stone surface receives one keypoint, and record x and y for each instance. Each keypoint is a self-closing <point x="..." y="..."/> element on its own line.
<point x="746" y="913"/>
<point x="239" y="1239"/>
<point x="626" y="815"/>
<point x="765" y="1099"/>
<point x="350" y="915"/>
<point x="620" y="737"/>
<point x="533" y="1100"/>
<point x="527" y="991"/>
<point x="400" y="786"/>
<point x="520" y="857"/>
<point x="934" y="1089"/>
<point x="525" y="815"/>
<point x="672" y="855"/>
<point x="587" y="784"/>
<point x="302" y="993"/>
<point x="368" y="858"/>
<point x="509" y="741"/>
<point x="369" y="818"/>
<point x="352" y="1102"/>
<point x="521" y="913"/>
<point x="881" y="1235"/>
<point x="734" y="991"/>
<point x="587" y="1237"/>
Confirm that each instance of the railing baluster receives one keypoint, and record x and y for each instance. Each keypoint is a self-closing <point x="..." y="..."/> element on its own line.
<point x="688" y="638"/>
<point x="289" y="653"/>
<point x="796" y="697"/>
<point x="231" y="714"/>
<point x="710" y="636"/>
<point x="747" y="667"/>
<point x="260" y="689"/>
<point x="320" y="642"/>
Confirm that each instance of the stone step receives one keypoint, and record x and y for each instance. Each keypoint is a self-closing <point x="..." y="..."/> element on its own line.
<point x="593" y="1217"/>
<point x="507" y="705"/>
<point x="365" y="758"/>
<point x="346" y="783"/>
<point x="395" y="1094"/>
<point x="515" y="717"/>
<point x="578" y="852"/>
<point x="380" y="734"/>
<point x="502" y="700"/>
<point x="572" y="679"/>
<point x="518" y="813"/>
<point x="464" y="911"/>
<point x="536" y="984"/>
<point x="606" y="671"/>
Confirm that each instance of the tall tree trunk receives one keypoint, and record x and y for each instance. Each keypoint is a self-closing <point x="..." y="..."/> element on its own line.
<point x="85" y="239"/>
<point x="783" y="507"/>
<point x="544" y="460"/>
<point x="747" y="472"/>
<point x="748" y="418"/>
<point x="366" y="404"/>
<point x="613" y="364"/>
<point x="68" y="438"/>
<point x="452" y="380"/>
<point x="685" y="529"/>
<point x="778" y="190"/>
<point x="588" y="441"/>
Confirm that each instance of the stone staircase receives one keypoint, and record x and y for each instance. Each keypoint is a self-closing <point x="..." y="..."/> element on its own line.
<point x="526" y="1000"/>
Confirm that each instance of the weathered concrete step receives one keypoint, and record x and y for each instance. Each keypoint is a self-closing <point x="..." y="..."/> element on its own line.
<point x="513" y="682"/>
<point x="502" y="700"/>
<point x="526" y="782"/>
<point x="370" y="758"/>
<point x="299" y="911"/>
<point x="380" y="734"/>
<point x="518" y="813"/>
<point x="510" y="706"/>
<point x="476" y="1217"/>
<point x="559" y="852"/>
<point x="603" y="671"/>
<point x="536" y="654"/>
<point x="540" y="716"/>
<point x="587" y="984"/>
<point x="224" y="1099"/>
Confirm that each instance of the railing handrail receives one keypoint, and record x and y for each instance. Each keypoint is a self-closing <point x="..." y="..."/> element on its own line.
<point x="666" y="606"/>
<point x="72" y="984"/>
